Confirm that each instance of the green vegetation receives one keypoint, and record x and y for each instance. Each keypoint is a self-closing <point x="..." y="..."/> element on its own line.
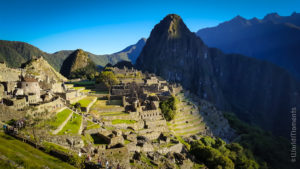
<point x="120" y="121"/>
<point x="168" y="108"/>
<point x="52" y="146"/>
<point x="113" y="114"/>
<point x="270" y="151"/>
<point x="78" y="88"/>
<point x="73" y="125"/>
<point x="86" y="91"/>
<point x="24" y="155"/>
<point x="89" y="72"/>
<point x="126" y="141"/>
<point x="180" y="139"/>
<point x="215" y="153"/>
<point x="91" y="125"/>
<point x="84" y="83"/>
<point x="146" y="160"/>
<point x="60" y="118"/>
<point x="85" y="102"/>
<point x="108" y="78"/>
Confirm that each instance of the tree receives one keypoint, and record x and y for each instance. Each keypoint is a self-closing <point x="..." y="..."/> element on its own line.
<point x="109" y="79"/>
<point x="168" y="108"/>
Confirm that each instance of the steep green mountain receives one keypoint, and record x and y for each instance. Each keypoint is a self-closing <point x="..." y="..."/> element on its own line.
<point x="15" y="53"/>
<point x="274" y="38"/>
<point x="78" y="65"/>
<point x="257" y="91"/>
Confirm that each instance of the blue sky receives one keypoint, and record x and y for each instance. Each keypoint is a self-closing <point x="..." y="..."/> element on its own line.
<point x="103" y="27"/>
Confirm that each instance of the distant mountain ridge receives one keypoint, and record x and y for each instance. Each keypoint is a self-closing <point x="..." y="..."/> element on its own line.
<point x="274" y="38"/>
<point x="257" y="91"/>
<point x="15" y="53"/>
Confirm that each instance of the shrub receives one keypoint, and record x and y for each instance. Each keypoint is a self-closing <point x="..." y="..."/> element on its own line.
<point x="215" y="153"/>
<point x="168" y="108"/>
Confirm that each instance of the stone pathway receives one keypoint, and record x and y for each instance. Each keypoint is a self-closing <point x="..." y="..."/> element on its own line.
<point x="81" y="126"/>
<point x="63" y="124"/>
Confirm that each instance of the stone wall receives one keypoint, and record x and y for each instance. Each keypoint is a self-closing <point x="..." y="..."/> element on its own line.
<point x="9" y="75"/>
<point x="114" y="156"/>
<point x="155" y="123"/>
<point x="51" y="106"/>
<point x="151" y="114"/>
<point x="116" y="140"/>
<point x="136" y="126"/>
<point x="31" y="87"/>
<point x="87" y="109"/>
<point x="175" y="148"/>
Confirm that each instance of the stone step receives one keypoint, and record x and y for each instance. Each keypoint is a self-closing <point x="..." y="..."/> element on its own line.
<point x="196" y="120"/>
<point x="187" y="117"/>
<point x="184" y="114"/>
<point x="187" y="126"/>
<point x="190" y="131"/>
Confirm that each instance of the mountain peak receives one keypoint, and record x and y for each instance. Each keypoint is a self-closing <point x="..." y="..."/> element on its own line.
<point x="172" y="17"/>
<point x="141" y="41"/>
<point x="238" y="19"/>
<point x="75" y="61"/>
<point x="271" y="16"/>
<point x="172" y="26"/>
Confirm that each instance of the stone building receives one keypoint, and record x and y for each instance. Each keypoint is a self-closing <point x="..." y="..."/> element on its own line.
<point x="31" y="86"/>
<point x="17" y="103"/>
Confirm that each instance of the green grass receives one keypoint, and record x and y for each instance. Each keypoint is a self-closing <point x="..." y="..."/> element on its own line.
<point x="60" y="118"/>
<point x="52" y="146"/>
<point x="147" y="160"/>
<point x="86" y="91"/>
<point x="85" y="102"/>
<point x="189" y="132"/>
<point x="87" y="139"/>
<point x="26" y="156"/>
<point x="180" y="139"/>
<point x="120" y="121"/>
<point x="72" y="126"/>
<point x="113" y="114"/>
<point x="186" y="128"/>
<point x="126" y="141"/>
<point x="91" y="125"/>
<point x="84" y="83"/>
<point x="78" y="88"/>
<point x="109" y="128"/>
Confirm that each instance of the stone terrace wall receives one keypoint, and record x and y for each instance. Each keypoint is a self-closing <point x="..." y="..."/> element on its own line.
<point x="151" y="114"/>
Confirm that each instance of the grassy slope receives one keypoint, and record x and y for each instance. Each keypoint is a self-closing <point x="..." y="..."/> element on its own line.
<point x="60" y="118"/>
<point x="25" y="155"/>
<point x="86" y="101"/>
<point x="73" y="125"/>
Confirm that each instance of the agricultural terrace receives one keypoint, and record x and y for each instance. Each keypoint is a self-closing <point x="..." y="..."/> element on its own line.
<point x="85" y="102"/>
<point x="73" y="125"/>
<point x="60" y="118"/>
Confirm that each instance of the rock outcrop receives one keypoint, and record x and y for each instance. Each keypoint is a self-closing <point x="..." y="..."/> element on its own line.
<point x="41" y="69"/>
